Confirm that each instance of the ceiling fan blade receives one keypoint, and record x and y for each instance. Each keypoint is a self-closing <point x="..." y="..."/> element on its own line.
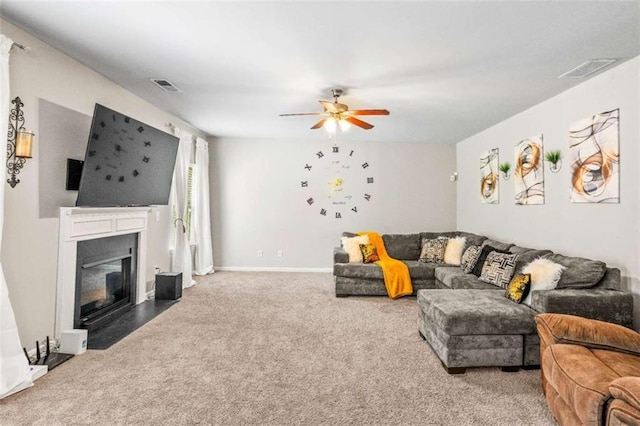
<point x="358" y="123"/>
<point x="369" y="112"/>
<point x="303" y="113"/>
<point x="319" y="124"/>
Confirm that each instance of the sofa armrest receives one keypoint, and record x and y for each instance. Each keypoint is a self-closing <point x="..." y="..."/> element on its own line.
<point x="590" y="333"/>
<point x="340" y="255"/>
<point x="627" y="389"/>
<point x="604" y="305"/>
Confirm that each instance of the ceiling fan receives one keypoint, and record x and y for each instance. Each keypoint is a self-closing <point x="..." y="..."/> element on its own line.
<point x="335" y="112"/>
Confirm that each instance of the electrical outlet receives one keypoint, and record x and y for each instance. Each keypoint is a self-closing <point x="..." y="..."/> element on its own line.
<point x="156" y="268"/>
<point x="259" y="253"/>
<point x="280" y="253"/>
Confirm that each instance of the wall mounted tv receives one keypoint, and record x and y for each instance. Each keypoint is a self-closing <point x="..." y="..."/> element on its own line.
<point x="127" y="163"/>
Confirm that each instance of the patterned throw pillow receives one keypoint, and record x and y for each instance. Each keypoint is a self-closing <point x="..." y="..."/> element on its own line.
<point x="498" y="268"/>
<point x="518" y="288"/>
<point x="433" y="250"/>
<point x="369" y="253"/>
<point x="482" y="257"/>
<point x="469" y="258"/>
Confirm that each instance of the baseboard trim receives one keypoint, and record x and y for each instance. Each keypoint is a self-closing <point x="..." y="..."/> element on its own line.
<point x="269" y="269"/>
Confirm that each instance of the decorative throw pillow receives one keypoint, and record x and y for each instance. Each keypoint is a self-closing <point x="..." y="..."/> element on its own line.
<point x="518" y="288"/>
<point x="453" y="252"/>
<point x="545" y="275"/>
<point x="369" y="253"/>
<point x="352" y="247"/>
<point x="469" y="258"/>
<point x="433" y="250"/>
<point x="484" y="252"/>
<point x="498" y="268"/>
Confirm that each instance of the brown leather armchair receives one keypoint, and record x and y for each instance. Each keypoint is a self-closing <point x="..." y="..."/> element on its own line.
<point x="590" y="370"/>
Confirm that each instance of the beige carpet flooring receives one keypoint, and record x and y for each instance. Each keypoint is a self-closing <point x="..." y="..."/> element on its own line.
<point x="276" y="349"/>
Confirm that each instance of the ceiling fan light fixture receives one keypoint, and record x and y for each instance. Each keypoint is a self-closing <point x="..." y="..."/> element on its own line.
<point x="344" y="125"/>
<point x="330" y="125"/>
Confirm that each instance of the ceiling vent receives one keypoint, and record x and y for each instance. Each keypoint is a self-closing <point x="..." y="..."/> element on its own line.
<point x="165" y="85"/>
<point x="587" y="68"/>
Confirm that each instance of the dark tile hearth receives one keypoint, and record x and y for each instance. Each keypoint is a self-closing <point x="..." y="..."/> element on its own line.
<point x="138" y="316"/>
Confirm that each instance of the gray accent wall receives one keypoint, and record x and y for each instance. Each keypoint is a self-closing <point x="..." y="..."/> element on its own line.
<point x="608" y="232"/>
<point x="257" y="202"/>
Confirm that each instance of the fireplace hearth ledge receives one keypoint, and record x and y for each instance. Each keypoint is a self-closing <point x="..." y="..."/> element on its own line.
<point x="83" y="223"/>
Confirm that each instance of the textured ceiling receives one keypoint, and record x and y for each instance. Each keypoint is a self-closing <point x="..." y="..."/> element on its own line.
<point x="445" y="70"/>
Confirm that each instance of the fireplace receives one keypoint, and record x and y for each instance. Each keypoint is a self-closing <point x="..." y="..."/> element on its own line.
<point x="114" y="270"/>
<point x="105" y="280"/>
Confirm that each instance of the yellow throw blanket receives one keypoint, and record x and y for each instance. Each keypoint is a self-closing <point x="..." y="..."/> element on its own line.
<point x="396" y="273"/>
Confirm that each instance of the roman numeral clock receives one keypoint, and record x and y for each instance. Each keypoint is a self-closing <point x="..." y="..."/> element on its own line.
<point x="337" y="183"/>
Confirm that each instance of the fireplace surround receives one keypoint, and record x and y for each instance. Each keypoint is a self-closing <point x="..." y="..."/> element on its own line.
<point x="80" y="224"/>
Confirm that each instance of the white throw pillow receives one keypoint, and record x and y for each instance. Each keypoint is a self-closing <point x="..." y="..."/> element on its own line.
<point x="545" y="275"/>
<point x="454" y="250"/>
<point x="352" y="247"/>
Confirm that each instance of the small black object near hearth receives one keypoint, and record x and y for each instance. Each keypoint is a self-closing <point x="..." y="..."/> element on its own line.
<point x="168" y="286"/>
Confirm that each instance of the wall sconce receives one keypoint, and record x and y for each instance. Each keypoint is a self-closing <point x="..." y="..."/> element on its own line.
<point x="19" y="142"/>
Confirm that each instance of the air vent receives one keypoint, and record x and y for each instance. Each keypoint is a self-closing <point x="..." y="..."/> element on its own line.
<point x="587" y="68"/>
<point x="165" y="85"/>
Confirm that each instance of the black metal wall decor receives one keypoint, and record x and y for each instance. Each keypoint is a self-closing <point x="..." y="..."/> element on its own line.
<point x="19" y="142"/>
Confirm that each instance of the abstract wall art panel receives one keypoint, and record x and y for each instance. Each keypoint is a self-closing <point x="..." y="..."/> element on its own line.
<point x="489" y="174"/>
<point x="529" y="171"/>
<point x="595" y="159"/>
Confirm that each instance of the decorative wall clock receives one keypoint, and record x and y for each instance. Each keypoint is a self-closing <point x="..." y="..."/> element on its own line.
<point x="337" y="182"/>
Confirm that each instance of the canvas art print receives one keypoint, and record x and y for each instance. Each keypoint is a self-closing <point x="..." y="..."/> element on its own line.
<point x="529" y="171"/>
<point x="489" y="177"/>
<point x="595" y="159"/>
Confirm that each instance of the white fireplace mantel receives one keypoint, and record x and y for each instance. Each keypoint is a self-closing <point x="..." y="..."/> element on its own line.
<point x="82" y="223"/>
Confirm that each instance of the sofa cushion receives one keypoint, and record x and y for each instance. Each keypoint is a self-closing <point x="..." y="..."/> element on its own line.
<point x="432" y="235"/>
<point x="358" y="270"/>
<point x="475" y="312"/>
<point x="417" y="270"/>
<point x="444" y="274"/>
<point x="421" y="270"/>
<point x="526" y="255"/>
<point x="497" y="244"/>
<point x="484" y="252"/>
<point x="498" y="268"/>
<point x="469" y="281"/>
<point x="473" y="239"/>
<point x="433" y="250"/>
<point x="580" y="272"/>
<point x="402" y="246"/>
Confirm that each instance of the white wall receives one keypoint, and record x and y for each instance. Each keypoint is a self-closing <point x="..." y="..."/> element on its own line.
<point x="257" y="202"/>
<point x="607" y="232"/>
<point x="29" y="243"/>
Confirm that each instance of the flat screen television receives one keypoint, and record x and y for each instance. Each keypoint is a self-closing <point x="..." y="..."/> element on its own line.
<point x="127" y="163"/>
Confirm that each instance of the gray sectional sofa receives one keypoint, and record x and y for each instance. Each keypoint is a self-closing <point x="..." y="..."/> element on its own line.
<point x="469" y="323"/>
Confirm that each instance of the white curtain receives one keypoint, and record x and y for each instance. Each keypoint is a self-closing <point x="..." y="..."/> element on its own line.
<point x="201" y="217"/>
<point x="14" y="368"/>
<point x="182" y="261"/>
